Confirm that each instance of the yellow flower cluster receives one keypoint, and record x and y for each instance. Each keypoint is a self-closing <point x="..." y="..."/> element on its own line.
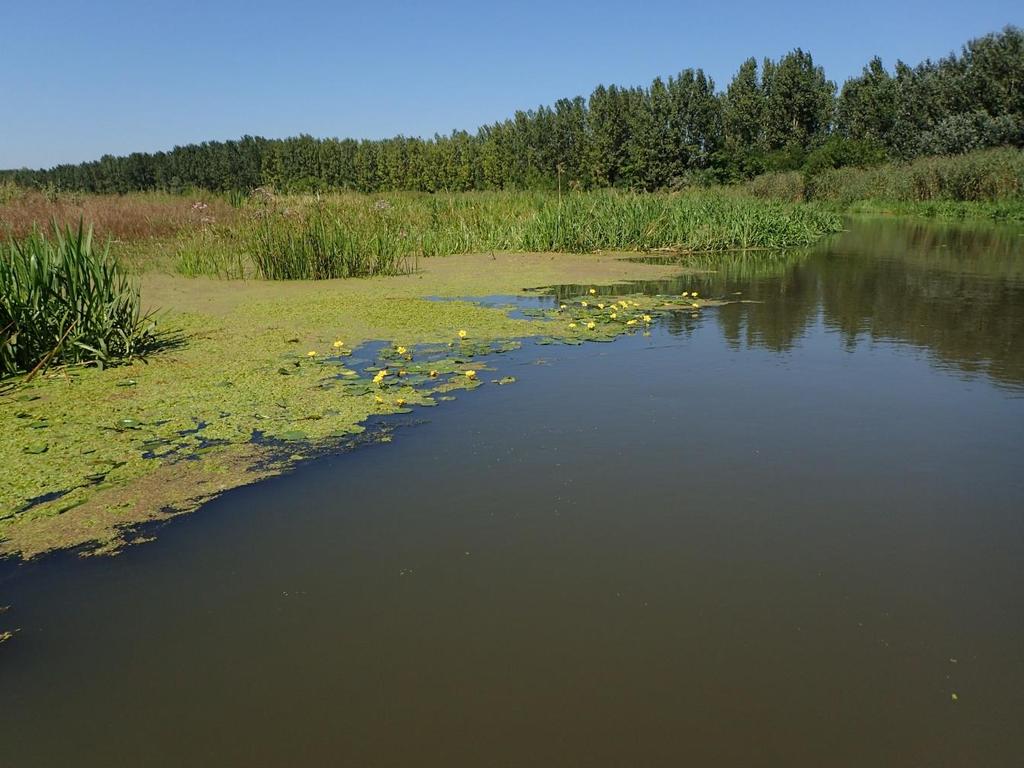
<point x="614" y="309"/>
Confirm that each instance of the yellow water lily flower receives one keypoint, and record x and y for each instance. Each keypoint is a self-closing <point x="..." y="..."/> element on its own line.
<point x="600" y="306"/>
<point x="470" y="374"/>
<point x="695" y="306"/>
<point x="401" y="350"/>
<point x="378" y="399"/>
<point x="433" y="374"/>
<point x="311" y="353"/>
<point x="338" y="344"/>
<point x="647" y="318"/>
<point x="561" y="306"/>
<point x="694" y="294"/>
<point x="685" y="294"/>
<point x="463" y="334"/>
<point x="593" y="291"/>
<point x="572" y="325"/>
<point x="583" y="304"/>
<point x="614" y="315"/>
<point x="379" y="377"/>
<point x="590" y="326"/>
<point x="400" y="402"/>
<point x="631" y="322"/>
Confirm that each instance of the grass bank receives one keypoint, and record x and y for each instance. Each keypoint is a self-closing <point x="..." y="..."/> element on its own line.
<point x="1009" y="210"/>
<point x="343" y="235"/>
<point x="987" y="184"/>
<point x="350" y="234"/>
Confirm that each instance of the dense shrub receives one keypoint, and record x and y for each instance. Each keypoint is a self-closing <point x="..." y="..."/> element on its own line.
<point x="787" y="185"/>
<point x="978" y="176"/>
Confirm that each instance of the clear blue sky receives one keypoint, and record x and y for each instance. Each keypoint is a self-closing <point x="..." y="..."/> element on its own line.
<point x="80" y="79"/>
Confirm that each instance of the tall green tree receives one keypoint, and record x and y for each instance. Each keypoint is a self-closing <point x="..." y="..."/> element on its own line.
<point x="867" y="105"/>
<point x="743" y="115"/>
<point x="799" y="101"/>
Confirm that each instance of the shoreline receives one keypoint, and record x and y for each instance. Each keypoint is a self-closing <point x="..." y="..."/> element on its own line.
<point x="110" y="450"/>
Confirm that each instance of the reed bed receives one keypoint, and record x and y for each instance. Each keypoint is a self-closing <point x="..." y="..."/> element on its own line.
<point x="63" y="300"/>
<point x="212" y="251"/>
<point x="983" y="176"/>
<point x="324" y="242"/>
<point x="125" y="218"/>
<point x="354" y="235"/>
<point x="693" y="222"/>
<point x="349" y="234"/>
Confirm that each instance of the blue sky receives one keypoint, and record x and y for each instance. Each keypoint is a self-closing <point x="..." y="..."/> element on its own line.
<point x="79" y="79"/>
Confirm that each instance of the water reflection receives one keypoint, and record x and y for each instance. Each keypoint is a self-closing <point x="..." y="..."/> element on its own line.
<point x="956" y="291"/>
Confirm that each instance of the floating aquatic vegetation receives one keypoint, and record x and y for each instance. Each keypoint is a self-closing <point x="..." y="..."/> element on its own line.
<point x="248" y="398"/>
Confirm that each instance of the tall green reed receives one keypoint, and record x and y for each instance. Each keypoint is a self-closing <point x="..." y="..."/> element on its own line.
<point x="322" y="242"/>
<point x="351" y="235"/>
<point x="63" y="300"/>
<point x="688" y="222"/>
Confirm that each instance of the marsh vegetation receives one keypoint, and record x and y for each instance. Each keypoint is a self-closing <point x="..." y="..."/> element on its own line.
<point x="64" y="300"/>
<point x="980" y="184"/>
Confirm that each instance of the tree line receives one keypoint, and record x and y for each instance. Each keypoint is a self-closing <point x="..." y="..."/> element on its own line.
<point x="778" y="115"/>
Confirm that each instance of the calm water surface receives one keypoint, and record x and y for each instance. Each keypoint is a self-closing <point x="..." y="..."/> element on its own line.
<point x="781" y="533"/>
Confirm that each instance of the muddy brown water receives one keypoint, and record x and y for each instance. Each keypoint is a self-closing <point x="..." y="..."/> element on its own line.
<point x="778" y="533"/>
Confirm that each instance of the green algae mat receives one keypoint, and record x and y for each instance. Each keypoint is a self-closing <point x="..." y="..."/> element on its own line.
<point x="268" y="373"/>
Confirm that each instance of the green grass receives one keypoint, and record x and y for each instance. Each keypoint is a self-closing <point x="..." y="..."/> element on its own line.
<point x="212" y="252"/>
<point x="983" y="176"/>
<point x="352" y="235"/>
<point x="62" y="300"/>
<point x="986" y="184"/>
<point x="986" y="175"/>
<point x="703" y="222"/>
<point x="326" y="241"/>
<point x="1008" y="210"/>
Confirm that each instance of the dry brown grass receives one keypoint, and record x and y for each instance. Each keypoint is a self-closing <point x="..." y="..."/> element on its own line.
<point x="125" y="218"/>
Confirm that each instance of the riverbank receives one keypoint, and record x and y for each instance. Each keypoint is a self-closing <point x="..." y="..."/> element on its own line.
<point x="981" y="185"/>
